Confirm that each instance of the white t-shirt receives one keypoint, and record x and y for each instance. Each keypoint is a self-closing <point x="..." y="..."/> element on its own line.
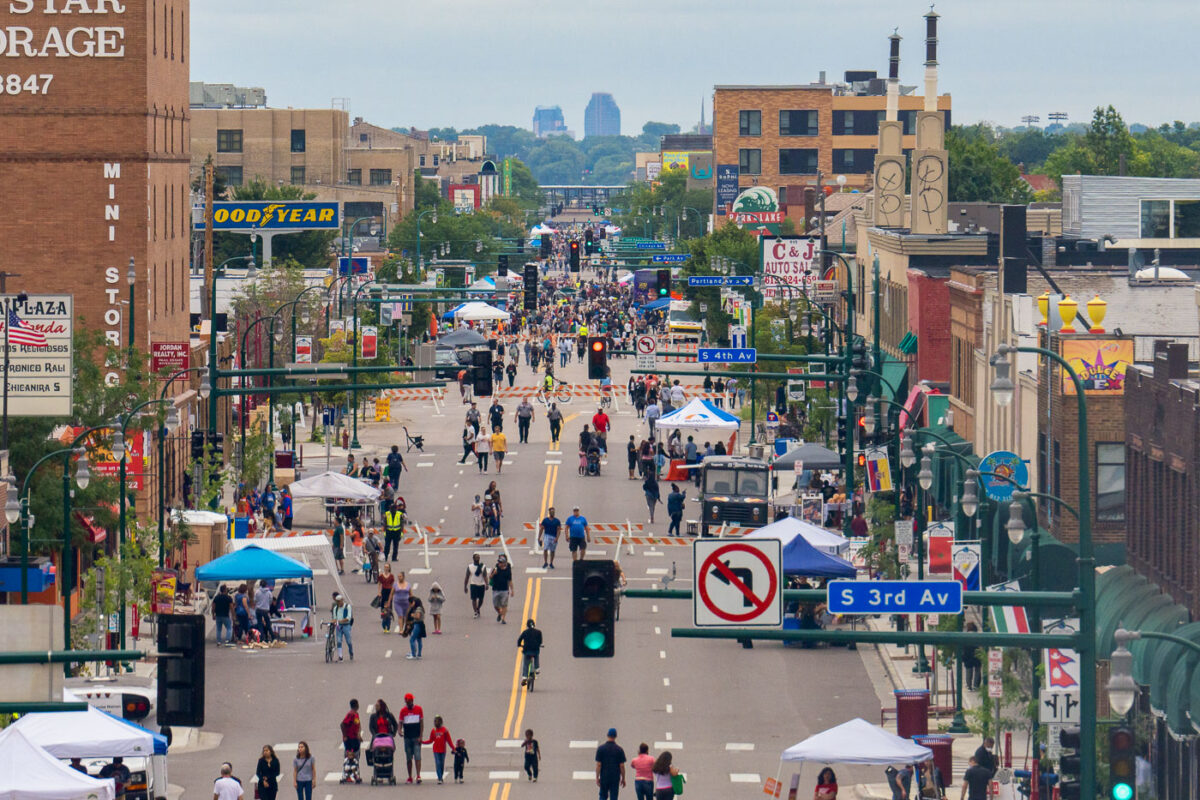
<point x="479" y="579"/>
<point x="227" y="789"/>
<point x="677" y="395"/>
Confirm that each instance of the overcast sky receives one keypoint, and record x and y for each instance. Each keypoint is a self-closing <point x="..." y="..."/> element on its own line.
<point x="460" y="63"/>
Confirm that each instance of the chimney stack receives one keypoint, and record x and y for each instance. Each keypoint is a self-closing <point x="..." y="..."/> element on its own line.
<point x="893" y="86"/>
<point x="931" y="62"/>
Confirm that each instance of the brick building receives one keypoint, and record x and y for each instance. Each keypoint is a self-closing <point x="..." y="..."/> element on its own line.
<point x="781" y="136"/>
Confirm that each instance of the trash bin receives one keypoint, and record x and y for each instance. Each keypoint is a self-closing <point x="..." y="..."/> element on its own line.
<point x="285" y="459"/>
<point x="783" y="445"/>
<point x="943" y="758"/>
<point x="912" y="712"/>
<point x="241" y="527"/>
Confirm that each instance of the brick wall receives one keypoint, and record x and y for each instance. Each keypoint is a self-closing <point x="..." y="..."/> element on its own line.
<point x="929" y="319"/>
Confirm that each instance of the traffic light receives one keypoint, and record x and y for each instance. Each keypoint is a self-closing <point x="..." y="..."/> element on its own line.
<point x="502" y="265"/>
<point x="181" y="669"/>
<point x="481" y="372"/>
<point x="593" y="608"/>
<point x="597" y="358"/>
<point x="531" y="286"/>
<point x="662" y="283"/>
<point x="198" y="444"/>
<point x="841" y="434"/>
<point x="573" y="250"/>
<point x="545" y="245"/>
<point x="588" y="242"/>
<point x="780" y="400"/>
<point x="521" y="244"/>
<point x="858" y="355"/>
<point x="1070" y="763"/>
<point x="1121" y="763"/>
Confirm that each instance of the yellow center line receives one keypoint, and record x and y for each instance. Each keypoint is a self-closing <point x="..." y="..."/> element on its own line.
<point x="504" y="794"/>
<point x="537" y="598"/>
<point x="494" y="792"/>
<point x="516" y="680"/>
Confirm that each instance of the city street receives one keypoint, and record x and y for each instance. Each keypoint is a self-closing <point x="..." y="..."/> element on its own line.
<point x="656" y="690"/>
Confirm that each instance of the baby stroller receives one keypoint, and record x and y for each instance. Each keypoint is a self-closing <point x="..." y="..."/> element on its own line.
<point x="414" y="441"/>
<point x="382" y="758"/>
<point x="593" y="460"/>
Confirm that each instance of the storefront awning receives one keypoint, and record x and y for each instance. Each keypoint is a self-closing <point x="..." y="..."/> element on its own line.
<point x="1161" y="658"/>
<point x="95" y="533"/>
<point x="895" y="375"/>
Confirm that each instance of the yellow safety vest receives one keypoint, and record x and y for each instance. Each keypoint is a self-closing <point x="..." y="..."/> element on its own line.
<point x="394" y="520"/>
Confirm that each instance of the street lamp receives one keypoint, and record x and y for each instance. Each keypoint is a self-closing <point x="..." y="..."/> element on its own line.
<point x="869" y="418"/>
<point x="852" y="389"/>
<point x="83" y="475"/>
<point x="118" y="445"/>
<point x="1002" y="385"/>
<point x="1016" y="522"/>
<point x="925" y="476"/>
<point x="907" y="456"/>
<point x="969" y="500"/>
<point x="205" y="384"/>
<point x="1122" y="688"/>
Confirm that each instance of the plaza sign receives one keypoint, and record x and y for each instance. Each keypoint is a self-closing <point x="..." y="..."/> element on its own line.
<point x="40" y="355"/>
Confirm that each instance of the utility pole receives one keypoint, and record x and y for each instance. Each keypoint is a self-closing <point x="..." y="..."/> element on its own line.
<point x="208" y="242"/>
<point x="4" y="276"/>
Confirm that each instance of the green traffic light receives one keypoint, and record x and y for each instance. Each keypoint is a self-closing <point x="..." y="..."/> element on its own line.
<point x="595" y="641"/>
<point x="1122" y="791"/>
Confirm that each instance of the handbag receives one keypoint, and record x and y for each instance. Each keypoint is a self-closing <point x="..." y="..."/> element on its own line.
<point x="376" y="601"/>
<point x="677" y="784"/>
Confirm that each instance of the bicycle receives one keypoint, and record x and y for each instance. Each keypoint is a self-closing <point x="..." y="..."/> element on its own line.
<point x="530" y="671"/>
<point x="330" y="643"/>
<point x="560" y="393"/>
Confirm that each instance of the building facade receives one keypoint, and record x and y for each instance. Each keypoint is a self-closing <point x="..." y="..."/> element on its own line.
<point x="782" y="136"/>
<point x="548" y="121"/>
<point x="602" y="117"/>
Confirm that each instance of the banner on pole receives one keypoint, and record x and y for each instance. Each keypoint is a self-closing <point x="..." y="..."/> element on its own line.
<point x="303" y="349"/>
<point x="879" y="471"/>
<point x="939" y="541"/>
<point x="370" y="342"/>
<point x="965" y="560"/>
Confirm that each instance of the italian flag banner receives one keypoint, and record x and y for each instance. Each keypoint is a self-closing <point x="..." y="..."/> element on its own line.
<point x="1009" y="619"/>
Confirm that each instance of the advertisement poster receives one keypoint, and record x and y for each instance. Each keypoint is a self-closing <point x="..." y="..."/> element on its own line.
<point x="172" y="356"/>
<point x="757" y="211"/>
<point x="879" y="471"/>
<point x="1100" y="364"/>
<point x="102" y="462"/>
<point x="787" y="261"/>
<point x="939" y="540"/>
<point x="40" y="349"/>
<point x="370" y="341"/>
<point x="674" y="160"/>
<point x="727" y="186"/>
<point x="653" y="170"/>
<point x="303" y="349"/>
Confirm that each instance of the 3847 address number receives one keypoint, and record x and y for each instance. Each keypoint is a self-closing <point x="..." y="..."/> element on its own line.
<point x="19" y="84"/>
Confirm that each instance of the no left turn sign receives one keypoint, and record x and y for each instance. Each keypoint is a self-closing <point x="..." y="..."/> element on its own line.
<point x="646" y="347"/>
<point x="737" y="583"/>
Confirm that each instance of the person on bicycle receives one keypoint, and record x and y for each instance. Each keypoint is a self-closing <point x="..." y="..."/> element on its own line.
<point x="343" y="620"/>
<point x="372" y="548"/>
<point x="548" y="381"/>
<point x="530" y="642"/>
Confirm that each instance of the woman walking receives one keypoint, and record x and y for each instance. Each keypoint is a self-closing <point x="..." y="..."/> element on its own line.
<point x="631" y="455"/>
<point x="643" y="775"/>
<point x="387" y="583"/>
<point x="436" y="598"/>
<point x="415" y="625"/>
<point x="400" y="600"/>
<point x="268" y="773"/>
<point x="303" y="770"/>
<point x="653" y="496"/>
<point x="664" y="777"/>
<point x="442" y="743"/>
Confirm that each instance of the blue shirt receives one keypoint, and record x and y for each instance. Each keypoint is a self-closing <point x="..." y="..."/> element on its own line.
<point x="550" y="526"/>
<point x="577" y="526"/>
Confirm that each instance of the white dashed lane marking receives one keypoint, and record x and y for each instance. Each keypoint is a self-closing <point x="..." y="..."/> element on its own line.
<point x="668" y="745"/>
<point x="583" y="744"/>
<point x="745" y="777"/>
<point x="496" y="775"/>
<point x="666" y="681"/>
<point x="508" y="743"/>
<point x="739" y="746"/>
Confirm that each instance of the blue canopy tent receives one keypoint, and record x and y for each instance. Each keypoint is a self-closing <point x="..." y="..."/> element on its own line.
<point x="654" y="305"/>
<point x="449" y="315"/>
<point x="252" y="562"/>
<point x="801" y="558"/>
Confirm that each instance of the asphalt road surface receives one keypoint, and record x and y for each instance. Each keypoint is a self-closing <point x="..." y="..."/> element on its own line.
<point x="725" y="711"/>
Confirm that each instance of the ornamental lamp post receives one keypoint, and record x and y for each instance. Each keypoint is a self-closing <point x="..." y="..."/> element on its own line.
<point x="1122" y="688"/>
<point x="852" y="389"/>
<point x="907" y="456"/>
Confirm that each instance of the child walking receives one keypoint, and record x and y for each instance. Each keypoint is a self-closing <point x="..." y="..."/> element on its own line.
<point x="460" y="760"/>
<point x="440" y="738"/>
<point x="533" y="754"/>
<point x="436" y="598"/>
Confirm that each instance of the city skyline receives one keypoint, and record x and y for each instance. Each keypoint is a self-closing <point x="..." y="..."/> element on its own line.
<point x="994" y="58"/>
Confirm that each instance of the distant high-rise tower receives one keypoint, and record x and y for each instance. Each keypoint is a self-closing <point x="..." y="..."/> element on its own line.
<point x="602" y="117"/>
<point x="548" y="120"/>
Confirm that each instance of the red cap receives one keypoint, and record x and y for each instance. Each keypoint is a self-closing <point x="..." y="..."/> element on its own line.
<point x="407" y="697"/>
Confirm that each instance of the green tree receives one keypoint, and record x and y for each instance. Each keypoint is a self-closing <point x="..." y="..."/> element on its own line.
<point x="1072" y="158"/>
<point x="556" y="161"/>
<point x="1030" y="147"/>
<point x="1108" y="140"/>
<point x="657" y="129"/>
<point x="426" y="193"/>
<point x="1155" y="156"/>
<point x="978" y="170"/>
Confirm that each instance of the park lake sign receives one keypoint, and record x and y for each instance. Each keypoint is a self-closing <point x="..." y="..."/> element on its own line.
<point x="757" y="211"/>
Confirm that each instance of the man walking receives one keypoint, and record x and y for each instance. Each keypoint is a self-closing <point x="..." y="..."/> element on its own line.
<point x="610" y="767"/>
<point x="412" y="727"/>
<point x="393" y="532"/>
<point x="524" y="420"/>
<point x="222" y="609"/>
<point x="395" y="463"/>
<point x="495" y="413"/>
<point x="556" y="419"/>
<point x="547" y="538"/>
<point x="502" y="588"/>
<point x="473" y="417"/>
<point x="476" y="582"/>
<point x="675" y="502"/>
<point x="577" y="535"/>
<point x="262" y="610"/>
<point x="976" y="780"/>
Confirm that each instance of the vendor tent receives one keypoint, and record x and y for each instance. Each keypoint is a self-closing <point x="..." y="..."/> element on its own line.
<point x="801" y="558"/>
<point x="91" y="733"/>
<point x="857" y="742"/>
<point x="481" y="312"/>
<point x="314" y="548"/>
<point x="334" y="485"/>
<point x="251" y="563"/>
<point x="788" y="528"/>
<point x="27" y="772"/>
<point x="655" y="305"/>
<point x="699" y="415"/>
<point x="463" y="338"/>
<point x="811" y="455"/>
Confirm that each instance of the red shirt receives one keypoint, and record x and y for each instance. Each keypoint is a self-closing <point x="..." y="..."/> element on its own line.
<point x="410" y="721"/>
<point x="440" y="739"/>
<point x="600" y="422"/>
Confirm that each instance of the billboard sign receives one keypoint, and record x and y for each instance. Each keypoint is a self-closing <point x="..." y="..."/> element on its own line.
<point x="757" y="210"/>
<point x="1100" y="364"/>
<point x="787" y="261"/>
<point x="700" y="171"/>
<point x="40" y="370"/>
<point x="727" y="186"/>
<point x="357" y="265"/>
<point x="370" y="342"/>
<point x="172" y="356"/>
<point x="653" y="170"/>
<point x="674" y="159"/>
<point x="283" y="216"/>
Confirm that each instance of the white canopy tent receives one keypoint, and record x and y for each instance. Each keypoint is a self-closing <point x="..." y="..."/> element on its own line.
<point x="91" y="733"/>
<point x="698" y="415"/>
<point x="857" y="742"/>
<point x="334" y="485"/>
<point x="788" y="528"/>
<point x="27" y="772"/>
<point x="480" y="312"/>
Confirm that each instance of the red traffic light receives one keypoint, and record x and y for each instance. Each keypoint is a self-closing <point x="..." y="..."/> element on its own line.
<point x="574" y="246"/>
<point x="597" y="345"/>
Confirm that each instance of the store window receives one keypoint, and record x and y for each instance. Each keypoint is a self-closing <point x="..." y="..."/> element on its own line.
<point x="1110" y="481"/>
<point x="798" y="122"/>
<point x="229" y="141"/>
<point x="381" y="177"/>
<point x="797" y="161"/>
<point x="297" y="140"/>
<point x="231" y="176"/>
<point x="354" y="177"/>
<point x="297" y="176"/>
<point x="749" y="123"/>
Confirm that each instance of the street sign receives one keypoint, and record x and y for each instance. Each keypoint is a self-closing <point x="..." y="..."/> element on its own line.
<point x="647" y="348"/>
<point x="796" y="391"/>
<point x="995" y="673"/>
<point x="704" y="308"/>
<point x="354" y="265"/>
<point x="651" y="245"/>
<point x="670" y="258"/>
<point x="904" y="532"/>
<point x="772" y="419"/>
<point x="737" y="583"/>
<point x="704" y="280"/>
<point x="169" y="355"/>
<point x="1060" y="665"/>
<point x="1059" y="706"/>
<point x="737" y="337"/>
<point x="727" y="355"/>
<point x="895" y="597"/>
<point x="825" y="292"/>
<point x="739" y="280"/>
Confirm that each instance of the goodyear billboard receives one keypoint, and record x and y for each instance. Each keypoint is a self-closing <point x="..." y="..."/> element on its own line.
<point x="266" y="215"/>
